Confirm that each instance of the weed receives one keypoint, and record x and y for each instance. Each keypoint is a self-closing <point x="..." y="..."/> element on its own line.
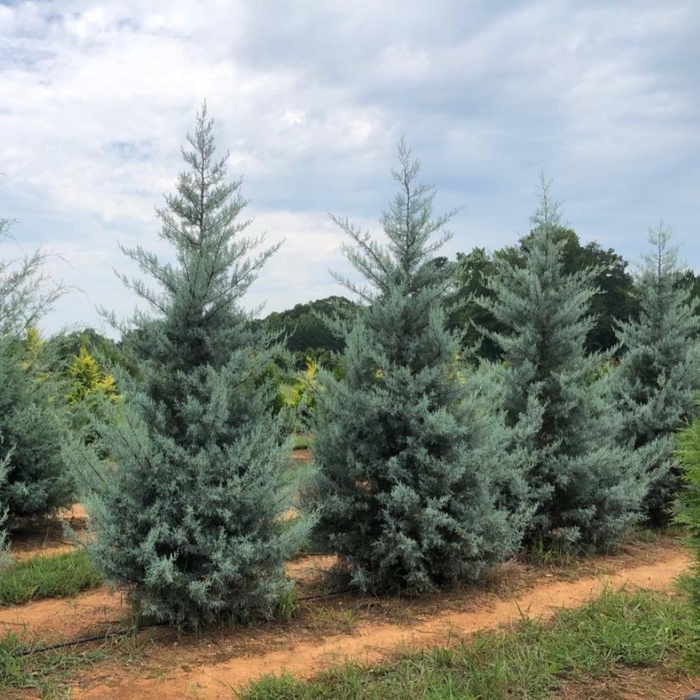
<point x="288" y="605"/>
<point x="57" y="576"/>
<point x="530" y="659"/>
<point x="42" y="673"/>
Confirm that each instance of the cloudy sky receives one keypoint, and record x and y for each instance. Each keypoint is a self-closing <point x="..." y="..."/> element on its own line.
<point x="311" y="97"/>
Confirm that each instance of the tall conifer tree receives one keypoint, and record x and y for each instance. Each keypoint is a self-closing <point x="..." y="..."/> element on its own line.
<point x="658" y="376"/>
<point x="31" y="420"/>
<point x="586" y="487"/>
<point x="406" y="463"/>
<point x="186" y="506"/>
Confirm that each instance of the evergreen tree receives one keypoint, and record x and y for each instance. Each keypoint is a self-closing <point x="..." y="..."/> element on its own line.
<point x="587" y="488"/>
<point x="26" y="291"/>
<point x="186" y="509"/>
<point x="5" y="558"/>
<point x="407" y="463"/>
<point x="659" y="373"/>
<point x="32" y="422"/>
<point x="687" y="508"/>
<point x="36" y="479"/>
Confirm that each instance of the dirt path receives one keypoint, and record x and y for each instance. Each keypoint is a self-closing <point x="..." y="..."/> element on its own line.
<point x="49" y="620"/>
<point x="371" y="642"/>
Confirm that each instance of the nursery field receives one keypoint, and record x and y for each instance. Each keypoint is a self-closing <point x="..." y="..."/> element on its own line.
<point x="322" y="628"/>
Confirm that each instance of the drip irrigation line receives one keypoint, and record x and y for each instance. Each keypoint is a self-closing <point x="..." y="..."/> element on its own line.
<point x="338" y="591"/>
<point x="124" y="632"/>
<point x="86" y="640"/>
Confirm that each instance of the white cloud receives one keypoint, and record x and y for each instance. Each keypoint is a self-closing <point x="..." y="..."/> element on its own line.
<point x="311" y="98"/>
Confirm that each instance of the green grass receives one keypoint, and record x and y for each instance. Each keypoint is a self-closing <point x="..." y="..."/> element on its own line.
<point x="45" y="673"/>
<point x="57" y="576"/>
<point x="531" y="660"/>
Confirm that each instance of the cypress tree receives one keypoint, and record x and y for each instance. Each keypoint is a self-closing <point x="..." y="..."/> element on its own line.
<point x="186" y="507"/>
<point x="37" y="481"/>
<point x="586" y="488"/>
<point x="687" y="507"/>
<point x="407" y="462"/>
<point x="659" y="372"/>
<point x="5" y="558"/>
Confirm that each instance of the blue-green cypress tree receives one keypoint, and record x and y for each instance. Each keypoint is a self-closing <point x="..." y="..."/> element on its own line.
<point x="5" y="559"/>
<point x="186" y="505"/>
<point x="658" y="377"/>
<point x="408" y="459"/>
<point x="32" y="422"/>
<point x="586" y="487"/>
<point x="687" y="506"/>
<point x="31" y="418"/>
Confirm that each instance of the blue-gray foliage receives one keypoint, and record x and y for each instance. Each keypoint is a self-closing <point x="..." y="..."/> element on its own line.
<point x="36" y="479"/>
<point x="410" y="462"/>
<point x="586" y="487"/>
<point x="5" y="558"/>
<point x="31" y="428"/>
<point x="658" y="377"/>
<point x="186" y="502"/>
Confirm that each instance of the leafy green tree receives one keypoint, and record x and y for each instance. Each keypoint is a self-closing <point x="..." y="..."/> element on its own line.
<point x="659" y="373"/>
<point x="614" y="298"/>
<point x="407" y="464"/>
<point x="469" y="315"/>
<point x="186" y="509"/>
<point x="306" y="331"/>
<point x="586" y="487"/>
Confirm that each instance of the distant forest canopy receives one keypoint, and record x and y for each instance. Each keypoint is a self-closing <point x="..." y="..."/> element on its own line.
<point x="308" y="336"/>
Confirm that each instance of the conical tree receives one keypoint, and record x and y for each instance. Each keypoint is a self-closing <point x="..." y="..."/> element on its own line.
<point x="406" y="464"/>
<point x="186" y="508"/>
<point x="5" y="558"/>
<point x="37" y="481"/>
<point x="687" y="507"/>
<point x="586" y="487"/>
<point x="658" y="376"/>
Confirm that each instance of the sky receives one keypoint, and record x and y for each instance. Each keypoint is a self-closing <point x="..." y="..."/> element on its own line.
<point x="311" y="98"/>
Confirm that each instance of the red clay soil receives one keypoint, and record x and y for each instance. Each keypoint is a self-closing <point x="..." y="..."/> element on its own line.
<point x="327" y="631"/>
<point x="631" y="684"/>
<point x="368" y="641"/>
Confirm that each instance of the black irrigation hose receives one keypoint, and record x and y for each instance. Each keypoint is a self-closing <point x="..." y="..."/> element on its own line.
<point x="338" y="591"/>
<point x="85" y="640"/>
<point x="123" y="633"/>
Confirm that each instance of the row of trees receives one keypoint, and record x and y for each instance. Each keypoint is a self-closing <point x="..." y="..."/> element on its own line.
<point x="426" y="468"/>
<point x="617" y="298"/>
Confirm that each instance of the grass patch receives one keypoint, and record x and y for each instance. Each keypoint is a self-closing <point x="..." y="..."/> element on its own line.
<point x="43" y="673"/>
<point x="530" y="660"/>
<point x="57" y="576"/>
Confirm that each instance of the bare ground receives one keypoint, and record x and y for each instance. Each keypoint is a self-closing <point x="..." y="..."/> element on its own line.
<point x="162" y="665"/>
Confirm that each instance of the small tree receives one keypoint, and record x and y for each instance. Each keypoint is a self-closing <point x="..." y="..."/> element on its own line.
<point x="659" y="373"/>
<point x="586" y="488"/>
<point x="186" y="508"/>
<point x="407" y="464"/>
